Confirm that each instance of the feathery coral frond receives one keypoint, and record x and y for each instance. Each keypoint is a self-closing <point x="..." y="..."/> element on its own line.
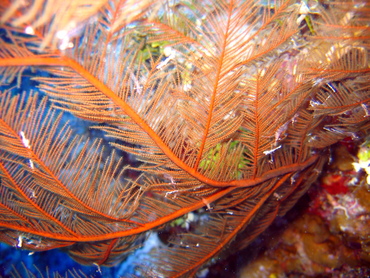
<point x="218" y="111"/>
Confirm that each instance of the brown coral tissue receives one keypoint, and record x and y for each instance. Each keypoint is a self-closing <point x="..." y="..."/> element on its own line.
<point x="198" y="120"/>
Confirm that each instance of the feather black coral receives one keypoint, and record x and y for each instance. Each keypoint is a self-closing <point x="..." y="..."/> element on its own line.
<point x="223" y="104"/>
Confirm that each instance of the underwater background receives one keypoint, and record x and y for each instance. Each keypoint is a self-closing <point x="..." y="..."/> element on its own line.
<point x="327" y="234"/>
